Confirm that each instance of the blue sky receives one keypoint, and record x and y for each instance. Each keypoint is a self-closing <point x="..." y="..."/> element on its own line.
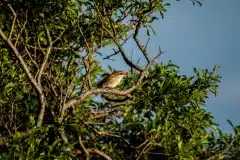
<point x="201" y="37"/>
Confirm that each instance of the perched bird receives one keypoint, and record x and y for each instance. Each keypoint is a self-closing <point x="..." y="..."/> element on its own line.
<point x="112" y="80"/>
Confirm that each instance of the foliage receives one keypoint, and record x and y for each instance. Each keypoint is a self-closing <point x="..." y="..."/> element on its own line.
<point x="48" y="77"/>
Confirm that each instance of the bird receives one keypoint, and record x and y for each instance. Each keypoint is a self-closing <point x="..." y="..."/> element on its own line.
<point x="112" y="80"/>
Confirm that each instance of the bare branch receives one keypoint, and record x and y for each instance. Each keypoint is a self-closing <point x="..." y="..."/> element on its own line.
<point x="138" y="26"/>
<point x="115" y="53"/>
<point x="86" y="65"/>
<point x="146" y="45"/>
<point x="83" y="148"/>
<point x="42" y="68"/>
<point x="69" y="90"/>
<point x="34" y="62"/>
<point x="39" y="45"/>
<point x="143" y="150"/>
<point x="26" y="69"/>
<point x="54" y="48"/>
<point x="94" y="150"/>
<point x="124" y="15"/>
<point x="95" y="115"/>
<point x="112" y="26"/>
<point x="140" y="46"/>
<point x="22" y="28"/>
<point x="123" y="52"/>
<point x="86" y="59"/>
<point x="14" y="20"/>
<point x="85" y="40"/>
<point x="103" y="114"/>
<point x="158" y="55"/>
<point x="59" y="36"/>
<point x="45" y="57"/>
<point x="105" y="90"/>
<point x="116" y="41"/>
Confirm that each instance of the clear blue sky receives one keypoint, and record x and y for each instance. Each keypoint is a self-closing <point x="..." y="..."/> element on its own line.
<point x="201" y="37"/>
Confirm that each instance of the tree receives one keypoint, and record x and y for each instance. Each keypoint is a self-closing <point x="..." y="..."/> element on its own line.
<point x="48" y="77"/>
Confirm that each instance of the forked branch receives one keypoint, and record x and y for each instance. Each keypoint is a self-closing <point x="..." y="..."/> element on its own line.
<point x="104" y="90"/>
<point x="25" y="68"/>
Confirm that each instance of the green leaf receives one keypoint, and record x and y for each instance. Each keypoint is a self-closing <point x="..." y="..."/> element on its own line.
<point x="105" y="146"/>
<point x="32" y="120"/>
<point x="9" y="85"/>
<point x="153" y="31"/>
<point x="162" y="14"/>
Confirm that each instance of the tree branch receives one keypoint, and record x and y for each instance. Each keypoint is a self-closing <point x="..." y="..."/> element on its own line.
<point x="34" y="62"/>
<point x="124" y="55"/>
<point x="86" y="60"/>
<point x="86" y="65"/>
<point x="115" y="53"/>
<point x="40" y="73"/>
<point x="59" y="35"/>
<point x="94" y="150"/>
<point x="45" y="57"/>
<point x="83" y="148"/>
<point x="117" y="43"/>
<point x="22" y="28"/>
<point x="14" y="20"/>
<point x="105" y="90"/>
<point x="140" y="46"/>
<point x="26" y="70"/>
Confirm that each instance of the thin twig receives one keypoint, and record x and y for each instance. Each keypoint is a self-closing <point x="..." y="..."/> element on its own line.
<point x="45" y="57"/>
<point x="115" y="53"/>
<point x="54" y="48"/>
<point x="112" y="26"/>
<point x="59" y="35"/>
<point x="158" y="55"/>
<point x="143" y="150"/>
<point x="123" y="52"/>
<point x="39" y="45"/>
<point x="26" y="70"/>
<point x="34" y="62"/>
<point x="68" y="93"/>
<point x="83" y="148"/>
<point x="99" y="153"/>
<point x="146" y="45"/>
<point x="40" y="73"/>
<point x="23" y="27"/>
<point x="117" y="43"/>
<point x="86" y="60"/>
<point x="140" y="46"/>
<point x="14" y="20"/>
<point x="86" y="65"/>
<point x="85" y="40"/>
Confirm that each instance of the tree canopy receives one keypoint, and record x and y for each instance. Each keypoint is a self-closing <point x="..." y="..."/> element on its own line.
<point x="48" y="87"/>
